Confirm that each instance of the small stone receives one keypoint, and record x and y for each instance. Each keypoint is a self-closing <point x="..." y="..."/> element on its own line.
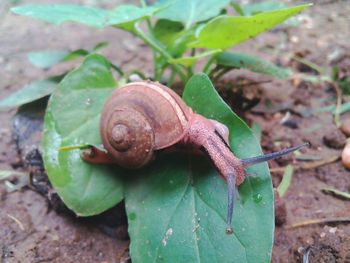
<point x="55" y="238"/>
<point x="345" y="156"/>
<point x="332" y="230"/>
<point x="334" y="139"/>
<point x="293" y="124"/>
<point x="345" y="127"/>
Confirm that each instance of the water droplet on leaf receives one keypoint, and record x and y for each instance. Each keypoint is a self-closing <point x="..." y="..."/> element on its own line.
<point x="257" y="198"/>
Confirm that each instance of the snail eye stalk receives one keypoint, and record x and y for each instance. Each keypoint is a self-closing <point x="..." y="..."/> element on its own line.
<point x="270" y="156"/>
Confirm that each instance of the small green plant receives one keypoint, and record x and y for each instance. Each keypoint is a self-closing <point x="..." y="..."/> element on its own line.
<point x="180" y="34"/>
<point x="176" y="208"/>
<point x="338" y="81"/>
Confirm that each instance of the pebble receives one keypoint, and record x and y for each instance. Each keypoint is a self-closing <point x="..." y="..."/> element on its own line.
<point x="334" y="139"/>
<point x="345" y="156"/>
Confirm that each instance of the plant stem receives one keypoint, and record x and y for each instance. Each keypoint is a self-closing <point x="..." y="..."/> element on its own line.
<point x="154" y="53"/>
<point x="171" y="78"/>
<point x="310" y="64"/>
<point x="338" y="105"/>
<point x="319" y="221"/>
<point x="189" y="71"/>
<point x="213" y="71"/>
<point x="144" y="4"/>
<point x="222" y="72"/>
<point x="118" y="69"/>
<point x="308" y="166"/>
<point x="193" y="52"/>
<point x="156" y="71"/>
<point x="207" y="66"/>
<point x="156" y="46"/>
<point x="136" y="72"/>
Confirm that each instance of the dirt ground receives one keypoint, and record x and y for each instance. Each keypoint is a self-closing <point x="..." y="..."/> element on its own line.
<point x="32" y="231"/>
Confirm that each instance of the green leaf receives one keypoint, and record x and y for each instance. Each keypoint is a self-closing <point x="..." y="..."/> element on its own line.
<point x="255" y="8"/>
<point x="177" y="209"/>
<point x="286" y="181"/>
<point x="226" y="31"/>
<point x="100" y="46"/>
<point x="190" y="12"/>
<point x="237" y="8"/>
<point x="72" y="118"/>
<point x="49" y="58"/>
<point x="189" y="61"/>
<point x="255" y="64"/>
<point x="76" y="54"/>
<point x="46" y="59"/>
<point x="167" y="31"/>
<point x="91" y="16"/>
<point x="31" y="92"/>
<point x="256" y="129"/>
<point x="173" y="36"/>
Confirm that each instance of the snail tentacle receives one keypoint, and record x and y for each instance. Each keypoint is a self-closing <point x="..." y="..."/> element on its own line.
<point x="270" y="156"/>
<point x="231" y="198"/>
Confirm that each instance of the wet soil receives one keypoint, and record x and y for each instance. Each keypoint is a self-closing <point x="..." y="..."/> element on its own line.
<point x="32" y="231"/>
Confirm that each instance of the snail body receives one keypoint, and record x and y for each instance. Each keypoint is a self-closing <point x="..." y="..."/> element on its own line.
<point x="142" y="118"/>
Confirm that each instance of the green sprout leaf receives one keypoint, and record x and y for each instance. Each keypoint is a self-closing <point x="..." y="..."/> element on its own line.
<point x="190" y="12"/>
<point x="286" y="181"/>
<point x="31" y="92"/>
<point x="226" y="31"/>
<point x="72" y="118"/>
<point x="255" y="64"/>
<point x="189" y="61"/>
<point x="91" y="16"/>
<point x="337" y="193"/>
<point x="177" y="209"/>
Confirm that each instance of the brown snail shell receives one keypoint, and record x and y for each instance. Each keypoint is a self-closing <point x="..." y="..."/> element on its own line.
<point x="140" y="118"/>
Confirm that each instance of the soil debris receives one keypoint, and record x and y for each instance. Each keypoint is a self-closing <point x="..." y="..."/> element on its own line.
<point x="334" y="139"/>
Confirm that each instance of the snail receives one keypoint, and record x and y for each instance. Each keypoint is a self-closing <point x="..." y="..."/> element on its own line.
<point x="142" y="118"/>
